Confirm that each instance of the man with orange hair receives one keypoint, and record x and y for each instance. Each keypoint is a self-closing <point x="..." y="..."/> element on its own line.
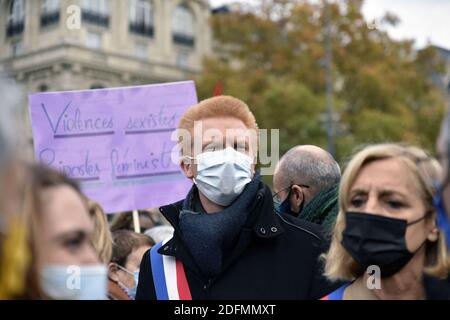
<point x="228" y="242"/>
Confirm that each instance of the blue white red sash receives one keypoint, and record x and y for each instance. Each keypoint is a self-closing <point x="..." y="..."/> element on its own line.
<point x="338" y="294"/>
<point x="169" y="277"/>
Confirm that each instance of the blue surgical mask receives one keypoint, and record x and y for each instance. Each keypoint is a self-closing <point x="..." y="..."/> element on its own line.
<point x="222" y="175"/>
<point x="131" y="291"/>
<point x="71" y="282"/>
<point x="285" y="205"/>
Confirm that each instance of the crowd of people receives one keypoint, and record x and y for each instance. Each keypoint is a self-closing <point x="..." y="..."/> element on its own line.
<point x="379" y="231"/>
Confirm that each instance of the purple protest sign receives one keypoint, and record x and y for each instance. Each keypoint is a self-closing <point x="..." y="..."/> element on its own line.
<point x="116" y="142"/>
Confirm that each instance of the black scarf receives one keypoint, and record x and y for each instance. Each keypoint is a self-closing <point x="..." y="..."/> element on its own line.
<point x="208" y="236"/>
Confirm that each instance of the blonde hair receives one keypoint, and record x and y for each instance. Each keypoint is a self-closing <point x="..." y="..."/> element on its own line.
<point x="339" y="265"/>
<point x="102" y="240"/>
<point x="220" y="106"/>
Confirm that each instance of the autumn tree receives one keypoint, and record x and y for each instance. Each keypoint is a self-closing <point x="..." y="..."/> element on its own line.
<point x="271" y="55"/>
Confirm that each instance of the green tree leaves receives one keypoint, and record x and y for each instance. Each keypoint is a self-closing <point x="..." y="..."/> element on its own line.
<point x="272" y="58"/>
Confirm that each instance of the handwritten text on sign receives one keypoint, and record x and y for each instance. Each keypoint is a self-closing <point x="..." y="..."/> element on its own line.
<point x="116" y="142"/>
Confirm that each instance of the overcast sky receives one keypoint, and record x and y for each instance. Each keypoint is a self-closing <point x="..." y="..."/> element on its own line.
<point x="422" y="20"/>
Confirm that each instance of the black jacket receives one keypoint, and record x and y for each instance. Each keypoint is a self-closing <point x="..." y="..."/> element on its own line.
<point x="273" y="257"/>
<point x="436" y="289"/>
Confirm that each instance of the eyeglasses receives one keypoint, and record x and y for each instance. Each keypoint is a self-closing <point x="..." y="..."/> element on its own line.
<point x="276" y="196"/>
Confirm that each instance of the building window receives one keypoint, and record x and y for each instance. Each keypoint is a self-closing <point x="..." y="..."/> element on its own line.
<point x="141" y="51"/>
<point x="94" y="40"/>
<point x="17" y="48"/>
<point x="141" y="17"/>
<point x="182" y="60"/>
<point x="183" y="26"/>
<point x="95" y="12"/>
<point x="49" y="12"/>
<point x="16" y="18"/>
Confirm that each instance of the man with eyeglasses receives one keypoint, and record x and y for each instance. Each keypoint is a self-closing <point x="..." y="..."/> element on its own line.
<point x="306" y="183"/>
<point x="228" y="243"/>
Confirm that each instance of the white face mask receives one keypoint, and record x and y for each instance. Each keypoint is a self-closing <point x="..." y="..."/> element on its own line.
<point x="64" y="282"/>
<point x="222" y="175"/>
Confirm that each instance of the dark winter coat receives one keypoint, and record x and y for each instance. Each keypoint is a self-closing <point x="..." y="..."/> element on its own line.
<point x="273" y="257"/>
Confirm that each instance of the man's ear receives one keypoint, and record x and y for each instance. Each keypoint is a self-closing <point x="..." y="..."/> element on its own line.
<point x="188" y="168"/>
<point x="112" y="272"/>
<point x="297" y="197"/>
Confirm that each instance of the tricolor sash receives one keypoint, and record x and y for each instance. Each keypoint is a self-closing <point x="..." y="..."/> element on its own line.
<point x="338" y="294"/>
<point x="169" y="277"/>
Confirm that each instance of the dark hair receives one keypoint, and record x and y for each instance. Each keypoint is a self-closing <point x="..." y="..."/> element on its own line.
<point x="44" y="177"/>
<point x="124" y="242"/>
<point x="124" y="220"/>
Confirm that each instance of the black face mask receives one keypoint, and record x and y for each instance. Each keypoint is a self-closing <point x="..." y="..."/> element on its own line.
<point x="376" y="240"/>
<point x="285" y="206"/>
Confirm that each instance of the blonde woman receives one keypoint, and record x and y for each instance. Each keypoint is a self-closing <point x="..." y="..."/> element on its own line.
<point x="386" y="243"/>
<point x="61" y="234"/>
<point x="102" y="239"/>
